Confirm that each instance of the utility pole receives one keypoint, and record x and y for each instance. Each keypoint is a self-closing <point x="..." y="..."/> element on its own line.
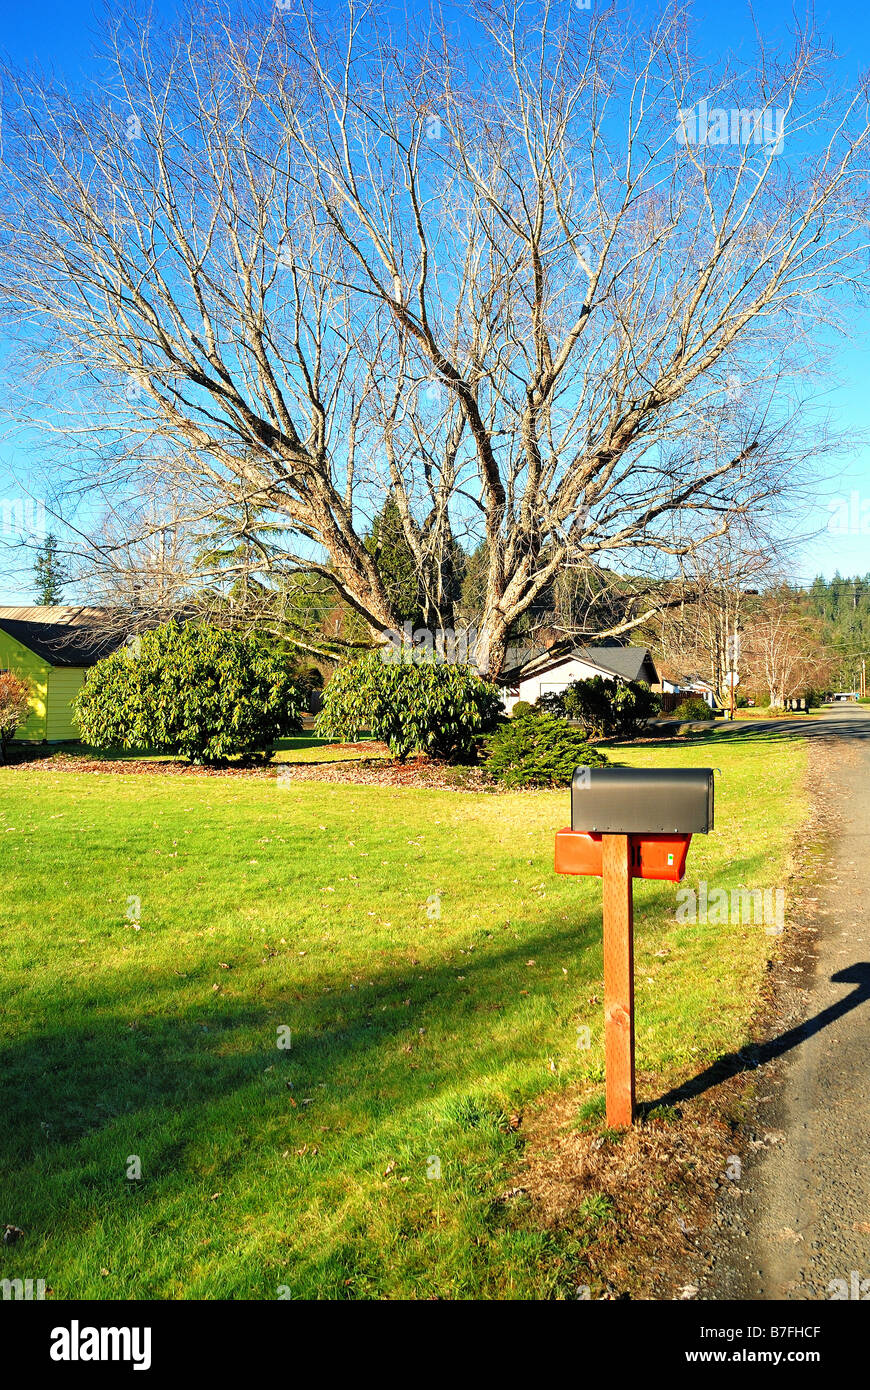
<point x="731" y="694"/>
<point x="733" y="650"/>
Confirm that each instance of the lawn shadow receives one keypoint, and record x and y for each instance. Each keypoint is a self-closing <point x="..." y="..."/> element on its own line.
<point x="126" y="1056"/>
<point x="755" y="1055"/>
<point x="123" y="1052"/>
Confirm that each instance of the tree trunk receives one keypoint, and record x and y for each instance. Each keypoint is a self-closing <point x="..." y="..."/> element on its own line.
<point x="491" y="647"/>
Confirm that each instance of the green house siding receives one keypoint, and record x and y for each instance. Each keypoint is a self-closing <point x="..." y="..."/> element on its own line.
<point x="18" y="658"/>
<point x="53" y="689"/>
<point x="64" y="683"/>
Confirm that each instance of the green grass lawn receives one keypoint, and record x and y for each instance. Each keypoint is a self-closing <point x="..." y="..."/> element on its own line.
<point x="314" y="908"/>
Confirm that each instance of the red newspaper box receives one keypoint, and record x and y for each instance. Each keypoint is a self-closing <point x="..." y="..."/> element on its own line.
<point x="651" y="856"/>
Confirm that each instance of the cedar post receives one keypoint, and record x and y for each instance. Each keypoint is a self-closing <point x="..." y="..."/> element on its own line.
<point x="618" y="980"/>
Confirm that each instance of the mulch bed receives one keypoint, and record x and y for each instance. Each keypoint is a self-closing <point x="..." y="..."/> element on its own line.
<point x="417" y="772"/>
<point x="375" y="771"/>
<point x="661" y="1180"/>
<point x="63" y="762"/>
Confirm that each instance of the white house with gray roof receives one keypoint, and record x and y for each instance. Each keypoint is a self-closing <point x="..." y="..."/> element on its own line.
<point x="550" y="672"/>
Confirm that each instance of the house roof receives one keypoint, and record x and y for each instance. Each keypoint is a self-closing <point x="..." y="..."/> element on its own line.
<point x="73" y="639"/>
<point x="528" y="664"/>
<point x="516" y="657"/>
<point x="629" y="663"/>
<point x="51" y="613"/>
<point x="682" y="678"/>
<point x="669" y="673"/>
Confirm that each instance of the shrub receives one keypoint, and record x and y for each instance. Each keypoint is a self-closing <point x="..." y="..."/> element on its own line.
<point x="520" y="708"/>
<point x="553" y="703"/>
<point x="14" y="706"/>
<point x="693" y="708"/>
<point x="539" y="750"/>
<point x="413" y="705"/>
<point x="606" y="708"/>
<point x="199" y="691"/>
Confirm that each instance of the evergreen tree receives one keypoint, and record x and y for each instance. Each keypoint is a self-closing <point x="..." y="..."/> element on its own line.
<point x="841" y="608"/>
<point x="387" y="543"/>
<point x="235" y="550"/>
<point x="50" y="573"/>
<point x="474" y="576"/>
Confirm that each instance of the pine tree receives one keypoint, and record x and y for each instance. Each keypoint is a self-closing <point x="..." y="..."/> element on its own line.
<point x="235" y="551"/>
<point x="417" y="595"/>
<point x="396" y="564"/>
<point x="50" y="573"/>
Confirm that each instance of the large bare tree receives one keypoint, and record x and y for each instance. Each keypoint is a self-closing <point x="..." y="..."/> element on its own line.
<point x="783" y="652"/>
<point x="700" y="629"/>
<point x="543" y="278"/>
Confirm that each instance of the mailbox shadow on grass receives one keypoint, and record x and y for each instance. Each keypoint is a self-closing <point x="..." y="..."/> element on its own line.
<point x="752" y="1057"/>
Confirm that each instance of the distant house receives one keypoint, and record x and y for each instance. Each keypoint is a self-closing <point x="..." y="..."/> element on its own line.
<point x="550" y="672"/>
<point x="51" y="648"/>
<point x="676" y="687"/>
<point x="699" y="686"/>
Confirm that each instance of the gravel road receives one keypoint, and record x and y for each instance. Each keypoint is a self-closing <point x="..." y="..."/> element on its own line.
<point x="797" y="1219"/>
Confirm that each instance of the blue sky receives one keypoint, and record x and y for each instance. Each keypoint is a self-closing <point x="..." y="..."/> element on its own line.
<point x="59" y="34"/>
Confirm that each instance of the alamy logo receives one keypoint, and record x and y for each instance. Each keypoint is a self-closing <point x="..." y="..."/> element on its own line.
<point x="856" y="1289"/>
<point x="745" y="905"/>
<point x="75" y="1343"/>
<point x="22" y="516"/>
<point x="740" y="125"/>
<point x="433" y="644"/>
<point x="16" y="1289"/>
<point x="850" y="518"/>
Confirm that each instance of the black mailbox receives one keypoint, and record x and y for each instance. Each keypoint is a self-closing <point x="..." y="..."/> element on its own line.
<point x="642" y="801"/>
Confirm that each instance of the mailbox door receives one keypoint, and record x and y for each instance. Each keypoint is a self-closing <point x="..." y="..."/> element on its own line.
<point x="659" y="856"/>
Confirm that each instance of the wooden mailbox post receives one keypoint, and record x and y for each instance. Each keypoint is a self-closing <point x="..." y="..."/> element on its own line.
<point x="629" y="823"/>
<point x="618" y="916"/>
